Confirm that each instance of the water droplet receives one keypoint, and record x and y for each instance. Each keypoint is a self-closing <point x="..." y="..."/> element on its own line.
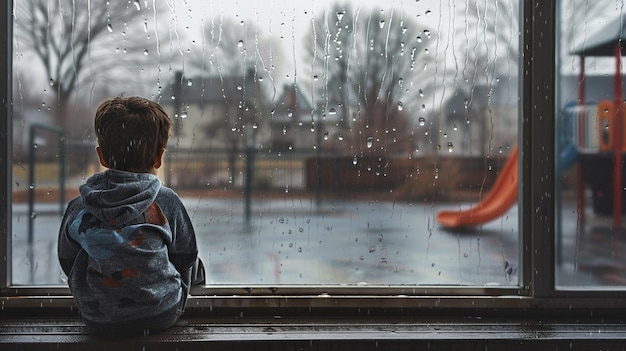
<point x="450" y="147"/>
<point x="332" y="111"/>
<point x="355" y="160"/>
<point x="240" y="43"/>
<point x="340" y="15"/>
<point x="183" y="114"/>
<point x="400" y="106"/>
<point x="145" y="52"/>
<point x="325" y="135"/>
<point x="421" y="121"/>
<point x="340" y="137"/>
<point x="109" y="27"/>
<point x="369" y="142"/>
<point x="381" y="24"/>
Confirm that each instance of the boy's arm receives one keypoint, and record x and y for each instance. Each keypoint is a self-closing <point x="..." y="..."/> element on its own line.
<point x="67" y="248"/>
<point x="183" y="251"/>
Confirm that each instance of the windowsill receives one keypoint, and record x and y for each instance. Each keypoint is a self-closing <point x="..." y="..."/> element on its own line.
<point x="321" y="333"/>
<point x="338" y="322"/>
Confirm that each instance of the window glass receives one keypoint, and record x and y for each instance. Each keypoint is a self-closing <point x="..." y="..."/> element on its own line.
<point x="590" y="145"/>
<point x="314" y="142"/>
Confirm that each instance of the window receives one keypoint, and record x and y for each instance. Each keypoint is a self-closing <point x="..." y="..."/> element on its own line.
<point x="361" y="149"/>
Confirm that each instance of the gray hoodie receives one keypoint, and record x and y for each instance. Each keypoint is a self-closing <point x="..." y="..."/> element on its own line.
<point x="127" y="246"/>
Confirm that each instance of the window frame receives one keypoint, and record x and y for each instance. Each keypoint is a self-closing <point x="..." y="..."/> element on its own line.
<point x="537" y="292"/>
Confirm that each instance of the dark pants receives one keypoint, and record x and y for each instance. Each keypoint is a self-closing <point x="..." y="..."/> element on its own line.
<point x="195" y="276"/>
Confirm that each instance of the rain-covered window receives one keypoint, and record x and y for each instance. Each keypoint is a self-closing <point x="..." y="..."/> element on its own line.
<point x="590" y="143"/>
<point x="359" y="143"/>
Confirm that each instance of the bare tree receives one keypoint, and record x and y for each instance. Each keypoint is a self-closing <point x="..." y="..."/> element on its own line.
<point x="233" y="48"/>
<point x="488" y="48"/>
<point x="366" y="62"/>
<point x="72" y="41"/>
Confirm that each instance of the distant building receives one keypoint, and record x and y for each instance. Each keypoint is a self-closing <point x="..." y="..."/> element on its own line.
<point x="485" y="117"/>
<point x="216" y="112"/>
<point x="292" y="119"/>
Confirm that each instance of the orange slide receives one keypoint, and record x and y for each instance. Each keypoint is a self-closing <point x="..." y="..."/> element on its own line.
<point x="501" y="197"/>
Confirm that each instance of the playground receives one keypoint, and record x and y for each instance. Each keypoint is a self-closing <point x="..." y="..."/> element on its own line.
<point x="590" y="138"/>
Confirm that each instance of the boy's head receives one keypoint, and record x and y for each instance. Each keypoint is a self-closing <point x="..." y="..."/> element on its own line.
<point x="131" y="133"/>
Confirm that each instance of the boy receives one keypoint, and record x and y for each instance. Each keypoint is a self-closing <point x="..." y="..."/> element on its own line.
<point x="126" y="243"/>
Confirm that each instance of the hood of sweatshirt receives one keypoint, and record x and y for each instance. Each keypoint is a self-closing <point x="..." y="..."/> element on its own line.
<point x="119" y="197"/>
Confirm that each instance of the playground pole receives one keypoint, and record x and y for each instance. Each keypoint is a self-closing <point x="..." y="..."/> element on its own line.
<point x="617" y="140"/>
<point x="581" y="137"/>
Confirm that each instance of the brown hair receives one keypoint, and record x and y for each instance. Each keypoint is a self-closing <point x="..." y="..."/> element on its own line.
<point x="131" y="132"/>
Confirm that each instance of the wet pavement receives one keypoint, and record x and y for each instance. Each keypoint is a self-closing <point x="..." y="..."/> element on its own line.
<point x="296" y="241"/>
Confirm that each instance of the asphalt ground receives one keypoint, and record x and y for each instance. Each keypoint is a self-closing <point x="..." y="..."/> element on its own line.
<point x="346" y="242"/>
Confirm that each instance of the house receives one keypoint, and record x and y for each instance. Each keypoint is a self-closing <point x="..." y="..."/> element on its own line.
<point x="215" y="112"/>
<point x="485" y="117"/>
<point x="295" y="123"/>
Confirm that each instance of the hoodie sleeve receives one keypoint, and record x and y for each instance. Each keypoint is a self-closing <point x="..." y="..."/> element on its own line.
<point x="183" y="250"/>
<point x="67" y="248"/>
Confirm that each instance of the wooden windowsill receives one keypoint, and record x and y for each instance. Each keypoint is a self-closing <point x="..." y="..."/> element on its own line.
<point x="69" y="333"/>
